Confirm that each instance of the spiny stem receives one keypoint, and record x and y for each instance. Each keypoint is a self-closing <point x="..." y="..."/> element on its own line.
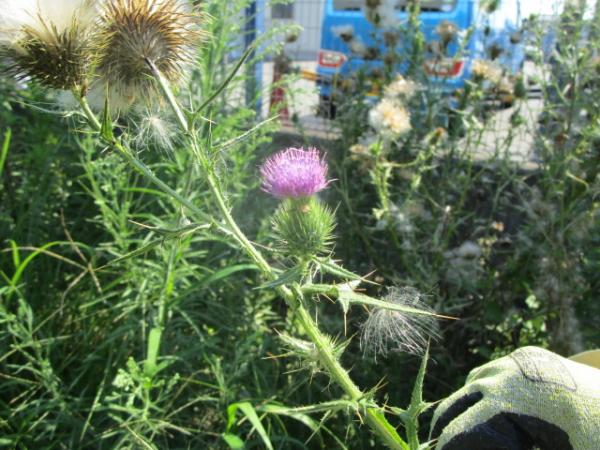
<point x="136" y="163"/>
<point x="374" y="417"/>
<point x="164" y="87"/>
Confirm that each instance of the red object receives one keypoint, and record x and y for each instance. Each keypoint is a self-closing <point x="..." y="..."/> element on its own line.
<point x="328" y="58"/>
<point x="446" y="67"/>
<point x="278" y="94"/>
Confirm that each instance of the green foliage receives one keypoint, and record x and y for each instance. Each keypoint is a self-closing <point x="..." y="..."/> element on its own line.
<point x="127" y="323"/>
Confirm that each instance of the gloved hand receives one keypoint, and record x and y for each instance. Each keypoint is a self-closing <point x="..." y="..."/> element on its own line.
<point x="530" y="399"/>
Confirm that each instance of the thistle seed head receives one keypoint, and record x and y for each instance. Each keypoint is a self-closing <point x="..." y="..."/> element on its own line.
<point x="390" y="118"/>
<point x="388" y="331"/>
<point x="401" y="88"/>
<point x="135" y="33"/>
<point x="51" y="42"/>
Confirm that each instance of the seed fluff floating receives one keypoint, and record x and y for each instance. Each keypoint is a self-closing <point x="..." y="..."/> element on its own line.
<point x="388" y="330"/>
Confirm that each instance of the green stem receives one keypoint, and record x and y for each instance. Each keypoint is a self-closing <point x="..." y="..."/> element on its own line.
<point x="136" y="163"/>
<point x="374" y="417"/>
<point x="164" y="87"/>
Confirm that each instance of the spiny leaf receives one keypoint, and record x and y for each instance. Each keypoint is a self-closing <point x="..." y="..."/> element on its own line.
<point x="287" y="277"/>
<point x="331" y="267"/>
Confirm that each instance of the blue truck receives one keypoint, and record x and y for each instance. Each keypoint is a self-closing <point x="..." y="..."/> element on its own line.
<point x="339" y="56"/>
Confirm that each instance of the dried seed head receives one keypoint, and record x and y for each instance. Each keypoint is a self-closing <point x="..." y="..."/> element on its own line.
<point x="402" y="88"/>
<point x="390" y="118"/>
<point x="485" y="70"/>
<point x="446" y="30"/>
<point x="388" y="331"/>
<point x="135" y="33"/>
<point x="51" y="42"/>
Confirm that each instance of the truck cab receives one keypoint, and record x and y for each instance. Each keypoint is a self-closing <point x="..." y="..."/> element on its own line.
<point x="351" y="40"/>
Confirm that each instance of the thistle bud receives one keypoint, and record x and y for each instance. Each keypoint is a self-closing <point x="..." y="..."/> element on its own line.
<point x="520" y="89"/>
<point x="50" y="42"/>
<point x="344" y="32"/>
<point x="490" y="6"/>
<point x="137" y="33"/>
<point x="495" y="51"/>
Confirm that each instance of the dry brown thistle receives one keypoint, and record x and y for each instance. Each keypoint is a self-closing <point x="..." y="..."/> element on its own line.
<point x="138" y="34"/>
<point x="52" y="44"/>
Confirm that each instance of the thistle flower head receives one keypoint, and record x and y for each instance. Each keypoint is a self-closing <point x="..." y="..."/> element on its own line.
<point x="388" y="330"/>
<point x="294" y="173"/>
<point x="390" y="118"/>
<point x="49" y="41"/>
<point x="137" y="33"/>
<point x="381" y="13"/>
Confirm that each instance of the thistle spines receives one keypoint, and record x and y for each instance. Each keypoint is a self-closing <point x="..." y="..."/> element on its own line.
<point x="304" y="227"/>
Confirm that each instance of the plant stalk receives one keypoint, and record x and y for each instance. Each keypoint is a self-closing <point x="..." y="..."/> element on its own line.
<point x="374" y="417"/>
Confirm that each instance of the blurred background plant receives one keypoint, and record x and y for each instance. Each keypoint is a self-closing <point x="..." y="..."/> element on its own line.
<point x="94" y="257"/>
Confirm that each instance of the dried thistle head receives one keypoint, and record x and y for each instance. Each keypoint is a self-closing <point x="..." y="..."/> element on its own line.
<point x="387" y="330"/>
<point x="447" y="31"/>
<point x="390" y="118"/>
<point x="51" y="42"/>
<point x="137" y="33"/>
<point x="485" y="70"/>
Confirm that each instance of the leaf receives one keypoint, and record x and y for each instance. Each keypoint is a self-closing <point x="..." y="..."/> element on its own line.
<point x="223" y="85"/>
<point x="226" y="272"/>
<point x="287" y="277"/>
<point x="168" y="235"/>
<point x="22" y="265"/>
<point x="106" y="129"/>
<point x="140" y="251"/>
<point x="251" y="415"/>
<point x="234" y="441"/>
<point x="153" y="349"/>
<point x="4" y="149"/>
<point x="15" y="253"/>
<point x="348" y="297"/>
<point x="416" y="401"/>
<point x="300" y="413"/>
<point x="333" y="268"/>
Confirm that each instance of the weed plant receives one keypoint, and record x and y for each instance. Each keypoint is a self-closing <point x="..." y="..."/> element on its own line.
<point x="503" y="242"/>
<point x="136" y="313"/>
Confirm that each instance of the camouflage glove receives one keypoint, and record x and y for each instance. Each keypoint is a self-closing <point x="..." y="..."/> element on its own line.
<point x="531" y="399"/>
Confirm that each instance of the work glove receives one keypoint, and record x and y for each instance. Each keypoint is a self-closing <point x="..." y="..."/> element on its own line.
<point x="530" y="399"/>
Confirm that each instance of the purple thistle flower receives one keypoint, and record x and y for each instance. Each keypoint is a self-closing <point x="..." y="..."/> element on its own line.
<point x="294" y="172"/>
